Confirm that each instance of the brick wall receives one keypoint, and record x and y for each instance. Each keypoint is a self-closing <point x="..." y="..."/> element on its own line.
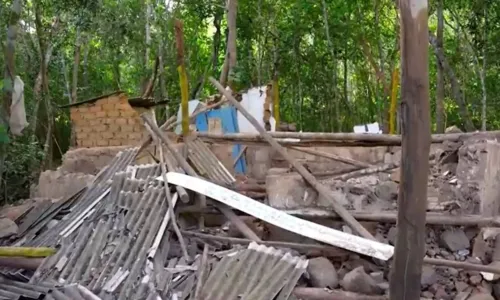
<point x="108" y="121"/>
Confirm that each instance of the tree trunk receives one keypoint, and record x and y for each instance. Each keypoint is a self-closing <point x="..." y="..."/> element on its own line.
<point x="334" y="69"/>
<point x="9" y="75"/>
<point x="230" y="58"/>
<point x="46" y="50"/>
<point x="231" y="42"/>
<point x="181" y="68"/>
<point x="415" y="119"/>
<point x="219" y="13"/>
<point x="483" y="71"/>
<point x="440" y="72"/>
<point x="455" y="86"/>
<point x="74" y="83"/>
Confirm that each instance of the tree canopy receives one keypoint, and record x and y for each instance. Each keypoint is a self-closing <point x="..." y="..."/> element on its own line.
<point x="335" y="62"/>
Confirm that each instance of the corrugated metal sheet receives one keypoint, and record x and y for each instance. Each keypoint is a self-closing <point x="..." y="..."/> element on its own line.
<point x="256" y="273"/>
<point x="207" y="164"/>
<point x="71" y="212"/>
<point x="12" y="290"/>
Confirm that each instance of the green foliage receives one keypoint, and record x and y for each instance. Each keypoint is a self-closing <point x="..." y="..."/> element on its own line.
<point x="286" y="37"/>
<point x="21" y="169"/>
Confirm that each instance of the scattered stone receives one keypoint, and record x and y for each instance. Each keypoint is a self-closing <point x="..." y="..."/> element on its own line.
<point x="360" y="282"/>
<point x="453" y="129"/>
<point x="391" y="235"/>
<point x="384" y="286"/>
<point x="442" y="294"/>
<point x="480" y="248"/>
<point x="452" y="272"/>
<point x="429" y="276"/>
<point x="455" y="240"/>
<point x="322" y="273"/>
<point x="491" y="276"/>
<point x="427" y="295"/>
<point x="7" y="228"/>
<point x="481" y="296"/>
<point x="387" y="190"/>
<point x="461" y="286"/>
<point x="476" y="279"/>
<point x="463" y="295"/>
<point x="377" y="276"/>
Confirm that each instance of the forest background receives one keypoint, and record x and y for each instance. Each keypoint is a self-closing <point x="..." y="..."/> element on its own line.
<point x="336" y="63"/>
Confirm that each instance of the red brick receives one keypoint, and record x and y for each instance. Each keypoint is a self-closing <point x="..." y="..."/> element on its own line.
<point x="113" y="113"/>
<point x="127" y="128"/>
<point x="121" y="121"/>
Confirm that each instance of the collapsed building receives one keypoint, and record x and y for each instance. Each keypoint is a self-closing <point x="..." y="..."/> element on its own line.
<point x="232" y="212"/>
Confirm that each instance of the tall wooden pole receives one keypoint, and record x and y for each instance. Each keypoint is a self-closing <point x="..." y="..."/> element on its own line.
<point x="416" y="134"/>
<point x="181" y="68"/>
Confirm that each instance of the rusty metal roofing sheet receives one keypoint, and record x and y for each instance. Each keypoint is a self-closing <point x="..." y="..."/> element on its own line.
<point x="256" y="273"/>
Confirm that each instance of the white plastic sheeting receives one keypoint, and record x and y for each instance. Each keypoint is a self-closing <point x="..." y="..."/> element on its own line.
<point x="193" y="105"/>
<point x="17" y="121"/>
<point x="367" y="128"/>
<point x="253" y="101"/>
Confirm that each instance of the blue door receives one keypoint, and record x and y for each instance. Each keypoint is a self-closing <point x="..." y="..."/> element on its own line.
<point x="229" y="122"/>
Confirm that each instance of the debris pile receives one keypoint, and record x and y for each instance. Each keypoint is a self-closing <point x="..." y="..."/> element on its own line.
<point x="185" y="227"/>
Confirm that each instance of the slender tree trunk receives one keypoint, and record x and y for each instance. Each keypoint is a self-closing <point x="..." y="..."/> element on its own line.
<point x="85" y="63"/>
<point x="46" y="48"/>
<point x="440" y="72"/>
<point x="74" y="82"/>
<point x="230" y="59"/>
<point x="455" y="86"/>
<point x="334" y="68"/>
<point x="231" y="45"/>
<point x="148" y="35"/>
<point x="219" y="13"/>
<point x="385" y="103"/>
<point x="416" y="135"/>
<point x="9" y="75"/>
<point x="66" y="78"/>
<point x="483" y="71"/>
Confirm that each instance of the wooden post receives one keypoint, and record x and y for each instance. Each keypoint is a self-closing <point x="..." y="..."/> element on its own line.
<point x="322" y="190"/>
<point x="416" y="137"/>
<point x="181" y="68"/>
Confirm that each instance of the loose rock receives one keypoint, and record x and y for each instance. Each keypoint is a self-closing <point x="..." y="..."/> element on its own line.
<point x="387" y="190"/>
<point x="455" y="240"/>
<point x="429" y="276"/>
<point x="360" y="282"/>
<point x="7" y="228"/>
<point x="322" y="273"/>
<point x="481" y="296"/>
<point x="391" y="235"/>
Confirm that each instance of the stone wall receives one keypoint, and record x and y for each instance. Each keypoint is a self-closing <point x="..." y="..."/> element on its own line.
<point x="108" y="121"/>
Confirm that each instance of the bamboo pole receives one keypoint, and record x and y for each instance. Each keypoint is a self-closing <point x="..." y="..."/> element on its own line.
<point x="322" y="190"/>
<point x="26" y="252"/>
<point x="181" y="68"/>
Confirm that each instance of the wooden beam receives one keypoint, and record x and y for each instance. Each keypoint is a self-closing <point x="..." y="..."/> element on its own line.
<point x="416" y="138"/>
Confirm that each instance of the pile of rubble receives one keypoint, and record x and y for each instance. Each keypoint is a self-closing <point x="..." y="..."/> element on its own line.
<point x="185" y="227"/>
